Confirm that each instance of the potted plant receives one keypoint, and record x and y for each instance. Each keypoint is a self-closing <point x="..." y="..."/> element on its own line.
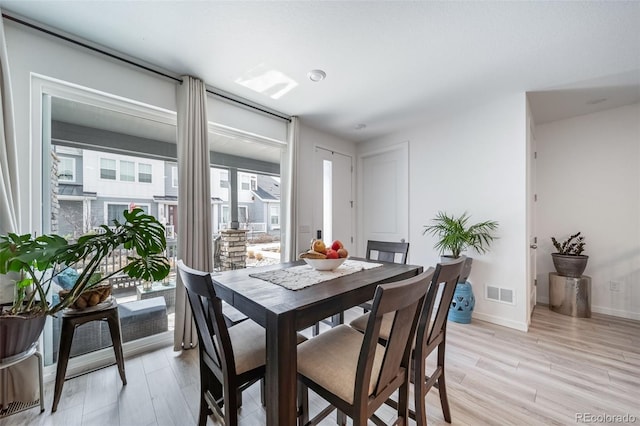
<point x="37" y="262"/>
<point x="454" y="236"/>
<point x="569" y="260"/>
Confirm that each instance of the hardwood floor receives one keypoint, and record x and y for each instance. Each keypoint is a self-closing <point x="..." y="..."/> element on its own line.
<point x="496" y="376"/>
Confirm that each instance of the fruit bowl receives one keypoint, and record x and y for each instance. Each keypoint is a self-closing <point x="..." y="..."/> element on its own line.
<point x="325" y="264"/>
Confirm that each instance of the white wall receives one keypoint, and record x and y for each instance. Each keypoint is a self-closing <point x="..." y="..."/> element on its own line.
<point x="309" y="139"/>
<point x="476" y="162"/>
<point x="588" y="180"/>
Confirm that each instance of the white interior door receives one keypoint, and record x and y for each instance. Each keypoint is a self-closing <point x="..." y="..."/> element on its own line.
<point x="383" y="209"/>
<point x="333" y="207"/>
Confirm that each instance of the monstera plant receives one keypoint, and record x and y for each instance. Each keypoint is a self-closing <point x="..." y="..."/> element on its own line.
<point x="35" y="263"/>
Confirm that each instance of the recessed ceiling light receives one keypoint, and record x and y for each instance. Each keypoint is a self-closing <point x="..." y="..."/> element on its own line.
<point x="596" y="101"/>
<point x="316" y="75"/>
<point x="360" y="126"/>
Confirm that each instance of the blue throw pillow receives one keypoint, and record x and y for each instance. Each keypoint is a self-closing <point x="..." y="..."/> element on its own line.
<point x="68" y="278"/>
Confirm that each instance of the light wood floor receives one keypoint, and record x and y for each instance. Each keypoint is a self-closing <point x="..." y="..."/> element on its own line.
<point x="496" y="376"/>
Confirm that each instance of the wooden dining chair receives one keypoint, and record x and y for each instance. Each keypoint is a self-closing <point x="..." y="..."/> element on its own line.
<point x="353" y="371"/>
<point x="430" y="335"/>
<point x="387" y="251"/>
<point x="231" y="359"/>
<point x="383" y="251"/>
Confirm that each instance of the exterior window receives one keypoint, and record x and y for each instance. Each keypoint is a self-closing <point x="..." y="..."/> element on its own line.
<point x="243" y="216"/>
<point x="245" y="182"/>
<point x="107" y="169"/>
<point x="127" y="171"/>
<point x="225" y="214"/>
<point x="254" y="183"/>
<point x="114" y="211"/>
<point x="174" y="177"/>
<point x="67" y="169"/>
<point x="274" y="213"/>
<point x="224" y="179"/>
<point x="144" y="173"/>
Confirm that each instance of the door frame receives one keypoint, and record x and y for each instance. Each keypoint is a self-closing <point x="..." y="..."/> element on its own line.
<point x="352" y="218"/>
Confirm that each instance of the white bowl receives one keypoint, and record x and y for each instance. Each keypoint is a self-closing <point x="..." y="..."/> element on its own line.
<point x="324" y="264"/>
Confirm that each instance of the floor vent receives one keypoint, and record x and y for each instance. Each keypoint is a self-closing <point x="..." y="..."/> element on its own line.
<point x="498" y="294"/>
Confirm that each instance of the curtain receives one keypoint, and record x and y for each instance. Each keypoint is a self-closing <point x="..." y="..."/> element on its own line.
<point x="21" y="380"/>
<point x="194" y="199"/>
<point x="289" y="198"/>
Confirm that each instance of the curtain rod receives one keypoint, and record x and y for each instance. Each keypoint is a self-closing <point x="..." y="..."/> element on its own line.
<point x="137" y="64"/>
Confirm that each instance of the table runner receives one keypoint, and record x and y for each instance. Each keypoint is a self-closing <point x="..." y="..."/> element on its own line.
<point x="299" y="277"/>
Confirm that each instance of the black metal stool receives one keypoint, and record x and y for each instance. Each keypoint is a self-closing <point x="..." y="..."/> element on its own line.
<point x="74" y="318"/>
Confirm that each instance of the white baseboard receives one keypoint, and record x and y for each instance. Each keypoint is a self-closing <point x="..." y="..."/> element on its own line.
<point x="105" y="357"/>
<point x="616" y="312"/>
<point x="521" y="326"/>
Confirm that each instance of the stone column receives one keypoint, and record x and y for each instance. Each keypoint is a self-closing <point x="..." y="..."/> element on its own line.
<point x="233" y="249"/>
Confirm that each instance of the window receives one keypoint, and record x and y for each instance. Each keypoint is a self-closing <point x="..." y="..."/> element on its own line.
<point x="224" y="179"/>
<point x="274" y="214"/>
<point x="225" y="215"/>
<point x="67" y="169"/>
<point x="107" y="169"/>
<point x="114" y="211"/>
<point x="144" y="173"/>
<point x="127" y="171"/>
<point x="174" y="177"/>
<point x="245" y="182"/>
<point x="254" y="183"/>
<point x="243" y="215"/>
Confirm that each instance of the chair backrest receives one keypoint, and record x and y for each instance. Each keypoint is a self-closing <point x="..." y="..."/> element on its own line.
<point x="433" y="318"/>
<point x="387" y="251"/>
<point x="207" y="313"/>
<point x="402" y="299"/>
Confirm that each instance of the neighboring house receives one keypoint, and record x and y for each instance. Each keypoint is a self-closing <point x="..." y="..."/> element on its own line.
<point x="94" y="188"/>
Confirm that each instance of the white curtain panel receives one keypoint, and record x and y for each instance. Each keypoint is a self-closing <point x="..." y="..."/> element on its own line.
<point x="194" y="199"/>
<point x="21" y="380"/>
<point x="289" y="197"/>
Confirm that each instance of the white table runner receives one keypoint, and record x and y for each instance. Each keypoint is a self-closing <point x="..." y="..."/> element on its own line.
<point x="299" y="277"/>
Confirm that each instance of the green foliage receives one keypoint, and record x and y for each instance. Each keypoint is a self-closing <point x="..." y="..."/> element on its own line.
<point x="31" y="256"/>
<point x="455" y="235"/>
<point x="572" y="246"/>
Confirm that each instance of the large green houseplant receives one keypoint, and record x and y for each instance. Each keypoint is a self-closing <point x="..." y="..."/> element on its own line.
<point x="35" y="262"/>
<point x="455" y="234"/>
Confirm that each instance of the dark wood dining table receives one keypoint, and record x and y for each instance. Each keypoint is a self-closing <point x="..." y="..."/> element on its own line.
<point x="282" y="312"/>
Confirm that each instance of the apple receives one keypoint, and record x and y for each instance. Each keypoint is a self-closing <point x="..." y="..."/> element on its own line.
<point x="337" y="245"/>
<point x="342" y="252"/>
<point x="332" y="254"/>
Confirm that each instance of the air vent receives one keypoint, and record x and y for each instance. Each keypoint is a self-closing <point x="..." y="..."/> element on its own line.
<point x="499" y="294"/>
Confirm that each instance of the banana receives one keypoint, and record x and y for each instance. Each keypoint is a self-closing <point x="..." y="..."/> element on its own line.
<point x="311" y="254"/>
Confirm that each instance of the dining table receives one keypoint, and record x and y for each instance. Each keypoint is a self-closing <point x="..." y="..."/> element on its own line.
<point x="283" y="311"/>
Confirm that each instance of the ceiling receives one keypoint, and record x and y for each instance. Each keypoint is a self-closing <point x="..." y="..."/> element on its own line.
<point x="389" y="64"/>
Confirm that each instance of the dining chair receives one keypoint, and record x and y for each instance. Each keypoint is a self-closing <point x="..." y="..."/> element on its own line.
<point x="431" y="334"/>
<point x="353" y="371"/>
<point x="383" y="251"/>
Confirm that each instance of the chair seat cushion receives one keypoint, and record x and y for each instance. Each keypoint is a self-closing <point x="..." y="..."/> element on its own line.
<point x="331" y="360"/>
<point x="248" y="341"/>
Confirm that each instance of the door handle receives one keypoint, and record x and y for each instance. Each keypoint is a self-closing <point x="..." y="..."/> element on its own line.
<point x="533" y="246"/>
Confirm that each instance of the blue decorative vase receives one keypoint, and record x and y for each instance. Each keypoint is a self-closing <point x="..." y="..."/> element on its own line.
<point x="462" y="303"/>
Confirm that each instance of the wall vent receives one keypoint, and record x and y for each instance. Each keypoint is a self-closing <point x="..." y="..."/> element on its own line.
<point x="499" y="294"/>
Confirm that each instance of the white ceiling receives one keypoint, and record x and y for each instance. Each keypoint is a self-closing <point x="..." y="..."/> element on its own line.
<point x="389" y="64"/>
